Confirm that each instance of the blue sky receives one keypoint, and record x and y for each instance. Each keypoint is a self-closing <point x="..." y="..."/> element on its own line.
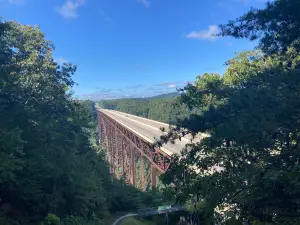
<point x="134" y="48"/>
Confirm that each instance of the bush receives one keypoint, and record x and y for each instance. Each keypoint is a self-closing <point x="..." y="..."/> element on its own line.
<point x="76" y="220"/>
<point x="52" y="219"/>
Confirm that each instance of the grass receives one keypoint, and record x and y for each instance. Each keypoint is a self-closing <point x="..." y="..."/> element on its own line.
<point x="134" y="221"/>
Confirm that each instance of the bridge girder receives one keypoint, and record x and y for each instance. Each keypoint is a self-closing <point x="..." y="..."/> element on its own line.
<point x="129" y="155"/>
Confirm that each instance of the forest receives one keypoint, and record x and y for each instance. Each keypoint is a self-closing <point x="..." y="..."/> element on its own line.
<point x="245" y="171"/>
<point x="52" y="171"/>
<point x="162" y="108"/>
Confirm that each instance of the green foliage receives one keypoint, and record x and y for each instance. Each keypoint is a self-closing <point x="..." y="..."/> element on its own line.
<point x="247" y="167"/>
<point x="133" y="221"/>
<point x="76" y="220"/>
<point x="133" y="106"/>
<point x="47" y="162"/>
<point x="159" y="108"/>
<point x="52" y="219"/>
<point x="165" y="96"/>
<point x="50" y="163"/>
<point x="276" y="26"/>
<point x="244" y="66"/>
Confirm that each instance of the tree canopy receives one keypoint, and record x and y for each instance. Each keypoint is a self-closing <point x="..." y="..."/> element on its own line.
<point x="50" y="163"/>
<point x="248" y="166"/>
<point x="276" y="26"/>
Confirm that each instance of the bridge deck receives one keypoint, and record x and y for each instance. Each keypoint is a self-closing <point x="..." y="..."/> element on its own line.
<point x="147" y="129"/>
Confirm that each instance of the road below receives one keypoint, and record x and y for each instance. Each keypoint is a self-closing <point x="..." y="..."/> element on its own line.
<point x="120" y="219"/>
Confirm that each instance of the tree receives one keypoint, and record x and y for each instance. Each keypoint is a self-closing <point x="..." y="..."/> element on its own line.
<point x="162" y="108"/>
<point x="41" y="127"/>
<point x="49" y="161"/>
<point x="248" y="165"/>
<point x="276" y="26"/>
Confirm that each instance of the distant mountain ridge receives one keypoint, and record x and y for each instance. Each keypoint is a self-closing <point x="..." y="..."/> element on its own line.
<point x="162" y="96"/>
<point x="159" y="107"/>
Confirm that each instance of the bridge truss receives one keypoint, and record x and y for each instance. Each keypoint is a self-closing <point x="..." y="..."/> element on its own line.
<point x="129" y="155"/>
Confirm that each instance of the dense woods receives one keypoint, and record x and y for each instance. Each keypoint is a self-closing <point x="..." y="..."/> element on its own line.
<point x="248" y="166"/>
<point x="51" y="169"/>
<point x="161" y="108"/>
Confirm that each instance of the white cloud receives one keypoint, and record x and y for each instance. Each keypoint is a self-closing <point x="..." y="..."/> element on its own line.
<point x="172" y="86"/>
<point x="209" y="34"/>
<point x="69" y="8"/>
<point x="146" y="3"/>
<point x="60" y="60"/>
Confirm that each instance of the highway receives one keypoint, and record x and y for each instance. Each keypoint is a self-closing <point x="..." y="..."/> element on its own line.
<point x="119" y="220"/>
<point x="146" y="129"/>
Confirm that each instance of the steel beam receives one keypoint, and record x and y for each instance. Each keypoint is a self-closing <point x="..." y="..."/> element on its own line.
<point x="106" y="141"/>
<point x="142" y="168"/>
<point x="133" y="165"/>
<point x="153" y="177"/>
<point x="125" y="148"/>
<point x="144" y="147"/>
<point x="123" y="156"/>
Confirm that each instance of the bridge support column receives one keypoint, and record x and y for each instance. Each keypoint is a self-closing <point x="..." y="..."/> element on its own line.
<point x="153" y="177"/>
<point x="142" y="168"/>
<point x="123" y="156"/>
<point x="106" y="142"/>
<point x="116" y="154"/>
<point x="127" y="162"/>
<point x="133" y="167"/>
<point x="111" y="148"/>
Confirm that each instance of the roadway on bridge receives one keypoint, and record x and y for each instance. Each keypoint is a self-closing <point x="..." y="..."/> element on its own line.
<point x="146" y="129"/>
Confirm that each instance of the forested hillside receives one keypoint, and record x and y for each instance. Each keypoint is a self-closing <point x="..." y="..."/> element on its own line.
<point x="168" y="95"/>
<point x="161" y="108"/>
<point x="51" y="169"/>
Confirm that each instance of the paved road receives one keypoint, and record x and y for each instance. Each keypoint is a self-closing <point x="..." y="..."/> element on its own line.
<point x="119" y="220"/>
<point x="147" y="129"/>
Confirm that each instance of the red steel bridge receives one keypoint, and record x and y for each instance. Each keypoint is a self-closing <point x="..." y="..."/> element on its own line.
<point x="128" y="140"/>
